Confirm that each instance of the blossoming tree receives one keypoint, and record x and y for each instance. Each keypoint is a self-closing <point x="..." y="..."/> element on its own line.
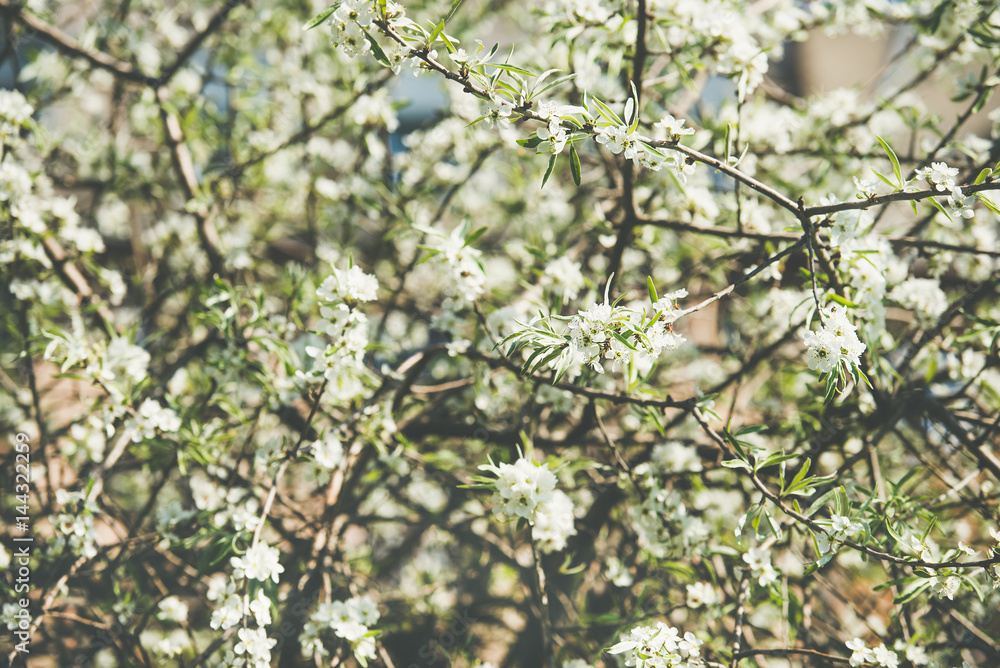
<point x="601" y="342"/>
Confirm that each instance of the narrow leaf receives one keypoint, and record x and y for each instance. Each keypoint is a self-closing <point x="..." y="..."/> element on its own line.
<point x="893" y="159"/>
<point x="321" y="17"/>
<point x="574" y="164"/>
<point x="548" y="171"/>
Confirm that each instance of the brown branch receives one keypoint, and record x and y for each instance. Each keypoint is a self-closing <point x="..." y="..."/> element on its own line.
<point x="72" y="278"/>
<point x="208" y="236"/>
<point x="70" y="47"/>
<point x="189" y="49"/>
<point x="802" y="519"/>
<point x="790" y="652"/>
<point x="901" y="196"/>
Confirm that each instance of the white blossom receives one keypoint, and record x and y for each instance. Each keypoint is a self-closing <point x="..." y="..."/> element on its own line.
<point x="924" y="297"/>
<point x="260" y="562"/>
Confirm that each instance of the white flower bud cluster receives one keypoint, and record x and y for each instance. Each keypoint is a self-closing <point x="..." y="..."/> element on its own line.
<point x="15" y="113"/>
<point x="759" y="561"/>
<point x="624" y="335"/>
<point x="468" y="280"/>
<point x="994" y="571"/>
<point x="659" y="646"/>
<point x="939" y="175"/>
<point x="841" y="528"/>
<point x="341" y="362"/>
<point x="862" y="654"/>
<point x="527" y="490"/>
<point x="256" y="645"/>
<point x="350" y="620"/>
<point x="835" y="344"/>
<point x="664" y="526"/>
<point x="924" y="297"/>
<point x="351" y="285"/>
<point x="260" y="562"/>
<point x="152" y="417"/>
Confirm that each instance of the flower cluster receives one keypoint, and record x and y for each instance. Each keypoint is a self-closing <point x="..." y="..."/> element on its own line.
<point x="841" y="528"/>
<point x="759" y="561"/>
<point x="351" y="285"/>
<point x="630" y="337"/>
<point x="946" y="586"/>
<point x="150" y="418"/>
<point x="341" y="362"/>
<point x="234" y="607"/>
<point x="836" y="346"/>
<point x="993" y="551"/>
<point x="862" y="654"/>
<point x="939" y="175"/>
<point x="350" y="620"/>
<point x="664" y="526"/>
<point x="15" y="113"/>
<point x="467" y="276"/>
<point x="75" y="531"/>
<point x="348" y="27"/>
<point x="625" y="140"/>
<point x="659" y="646"/>
<point x="924" y="297"/>
<point x="526" y="489"/>
<point x="623" y="335"/>
<point x="328" y="451"/>
<point x="256" y="645"/>
<point x="351" y="31"/>
<point x="564" y="278"/>
<point x="260" y="562"/>
<point x="701" y="593"/>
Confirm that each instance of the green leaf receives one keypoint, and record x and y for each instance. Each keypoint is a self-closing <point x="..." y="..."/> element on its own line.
<point x="574" y="165"/>
<point x="652" y="290"/>
<point x="983" y="175"/>
<point x="775" y="527"/>
<point x="840" y="300"/>
<point x="934" y="19"/>
<point x="819" y="503"/>
<point x="736" y="464"/>
<point x="455" y="4"/>
<point x="634" y="104"/>
<point x="974" y="586"/>
<point x="530" y="142"/>
<point x="548" y="171"/>
<point x="894" y="160"/>
<point x="321" y="17"/>
<point x="988" y="202"/>
<point x="474" y="236"/>
<point x="831" y="389"/>
<point x="819" y="563"/>
<point x="607" y="113"/>
<point x="937" y="205"/>
<point x="911" y="592"/>
<point x="513" y="68"/>
<point x="799" y="481"/>
<point x="553" y="84"/>
<point x="377" y="50"/>
<point x="438" y="29"/>
<point x="774" y="459"/>
<point x="885" y="179"/>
